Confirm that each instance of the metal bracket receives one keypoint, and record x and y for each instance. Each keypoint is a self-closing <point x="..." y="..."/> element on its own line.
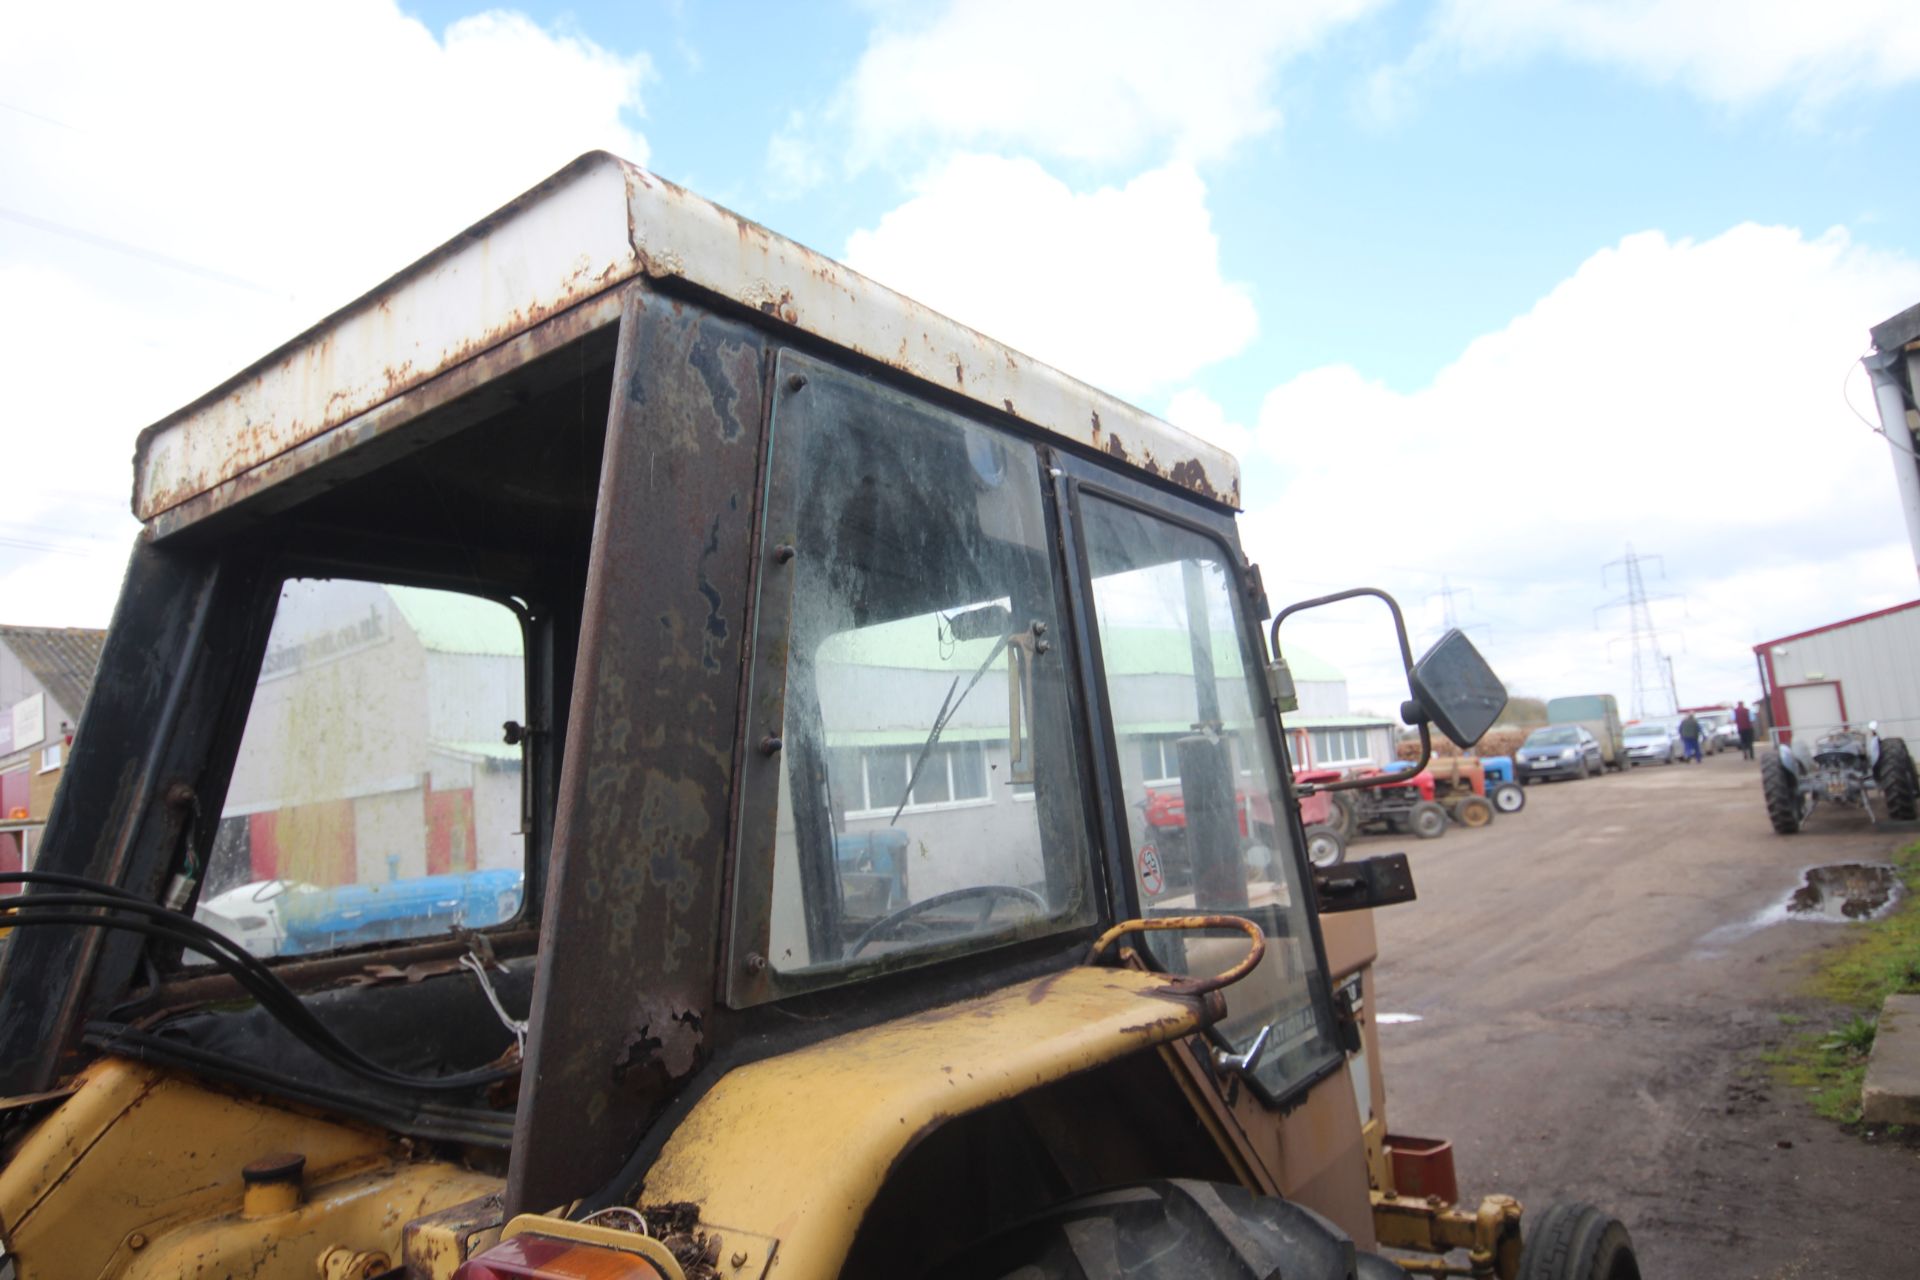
<point x="1364" y="884"/>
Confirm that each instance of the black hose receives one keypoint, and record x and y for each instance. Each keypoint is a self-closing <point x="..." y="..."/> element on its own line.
<point x="223" y="951"/>
<point x="279" y="1000"/>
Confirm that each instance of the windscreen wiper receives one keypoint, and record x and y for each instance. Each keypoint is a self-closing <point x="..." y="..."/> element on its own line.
<point x="949" y="707"/>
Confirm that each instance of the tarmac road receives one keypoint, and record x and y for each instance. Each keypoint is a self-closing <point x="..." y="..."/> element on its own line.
<point x="1596" y="978"/>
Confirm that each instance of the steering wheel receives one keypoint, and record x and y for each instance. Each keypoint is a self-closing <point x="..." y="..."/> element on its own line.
<point x="990" y="892"/>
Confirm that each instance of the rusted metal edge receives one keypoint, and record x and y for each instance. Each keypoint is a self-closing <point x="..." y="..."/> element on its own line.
<point x="595" y="224"/>
<point x="678" y="234"/>
<point x="598" y="312"/>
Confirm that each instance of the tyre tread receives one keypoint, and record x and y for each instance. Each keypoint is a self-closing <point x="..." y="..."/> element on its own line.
<point x="1576" y="1241"/>
<point x="1783" y="801"/>
<point x="1897" y="780"/>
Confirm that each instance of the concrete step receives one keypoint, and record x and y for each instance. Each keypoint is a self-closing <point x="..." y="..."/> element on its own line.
<point x="1892" y="1091"/>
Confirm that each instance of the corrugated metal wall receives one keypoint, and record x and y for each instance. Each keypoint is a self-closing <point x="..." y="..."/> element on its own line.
<point x="1876" y="662"/>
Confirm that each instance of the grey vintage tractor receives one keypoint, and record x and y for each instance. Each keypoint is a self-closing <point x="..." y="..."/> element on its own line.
<point x="1844" y="767"/>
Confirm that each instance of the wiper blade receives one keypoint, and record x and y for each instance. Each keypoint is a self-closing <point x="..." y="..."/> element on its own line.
<point x="949" y="708"/>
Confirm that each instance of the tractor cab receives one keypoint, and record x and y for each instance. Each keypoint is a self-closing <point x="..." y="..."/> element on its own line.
<point x="633" y="750"/>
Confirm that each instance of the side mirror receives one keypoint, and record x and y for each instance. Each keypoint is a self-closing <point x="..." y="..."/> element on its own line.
<point x="1455" y="688"/>
<point x="1452" y="687"/>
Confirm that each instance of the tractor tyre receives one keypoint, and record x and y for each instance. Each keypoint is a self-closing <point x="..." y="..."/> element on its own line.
<point x="1344" y="816"/>
<point x="1782" y="793"/>
<point x="1507" y="797"/>
<point x="1472" y="811"/>
<point x="1577" y="1242"/>
<point x="1427" y="820"/>
<point x="1325" y="848"/>
<point x="1163" y="1230"/>
<point x="1897" y="782"/>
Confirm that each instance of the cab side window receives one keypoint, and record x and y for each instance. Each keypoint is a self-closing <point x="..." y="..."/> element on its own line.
<point x="373" y="796"/>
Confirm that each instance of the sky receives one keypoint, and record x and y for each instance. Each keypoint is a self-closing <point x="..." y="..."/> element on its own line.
<point x="1485" y="294"/>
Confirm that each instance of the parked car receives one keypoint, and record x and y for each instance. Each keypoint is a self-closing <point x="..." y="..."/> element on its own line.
<point x="1558" y="751"/>
<point x="1652" y="742"/>
<point x="1716" y="731"/>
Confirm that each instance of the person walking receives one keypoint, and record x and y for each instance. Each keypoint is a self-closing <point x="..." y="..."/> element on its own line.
<point x="1743" y="721"/>
<point x="1690" y="739"/>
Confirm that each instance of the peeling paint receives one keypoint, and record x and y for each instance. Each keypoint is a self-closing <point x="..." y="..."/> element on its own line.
<point x="598" y="223"/>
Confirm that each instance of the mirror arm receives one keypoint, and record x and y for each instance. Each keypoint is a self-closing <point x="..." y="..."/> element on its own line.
<point x="1301" y="606"/>
<point x="1406" y="662"/>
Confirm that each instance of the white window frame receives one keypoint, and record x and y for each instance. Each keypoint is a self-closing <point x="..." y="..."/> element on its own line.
<point x="1162" y="741"/>
<point x="933" y="806"/>
<point x="1320" y="737"/>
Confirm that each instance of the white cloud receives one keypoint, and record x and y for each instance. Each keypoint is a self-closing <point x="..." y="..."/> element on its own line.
<point x="796" y="162"/>
<point x="1684" y="396"/>
<point x="194" y="187"/>
<point x="1119" y="286"/>
<point x="1196" y="412"/>
<point x="1088" y="80"/>
<point x="1727" y="51"/>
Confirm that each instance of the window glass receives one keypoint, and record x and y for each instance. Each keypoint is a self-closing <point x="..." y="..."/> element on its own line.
<point x="373" y="796"/>
<point x="923" y="689"/>
<point x="1340" y="746"/>
<point x="1182" y="686"/>
<point x="968" y="762"/>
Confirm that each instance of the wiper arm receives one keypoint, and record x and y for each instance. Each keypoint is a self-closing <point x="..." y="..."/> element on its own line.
<point x="949" y="707"/>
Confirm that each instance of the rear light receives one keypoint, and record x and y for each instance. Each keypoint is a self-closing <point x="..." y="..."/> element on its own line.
<point x="538" y="1257"/>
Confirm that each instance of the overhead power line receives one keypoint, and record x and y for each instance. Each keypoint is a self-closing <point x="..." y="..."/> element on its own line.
<point x="1653" y="687"/>
<point x="133" y="250"/>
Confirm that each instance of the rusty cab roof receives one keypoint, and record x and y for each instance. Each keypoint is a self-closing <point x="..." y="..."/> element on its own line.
<point x="560" y="252"/>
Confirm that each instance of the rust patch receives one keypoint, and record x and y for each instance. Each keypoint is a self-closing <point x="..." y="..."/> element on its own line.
<point x="1191" y="475"/>
<point x="1040" y="990"/>
<point x="1113" y="445"/>
<point x="664" y="1035"/>
<point x="1154" y="1028"/>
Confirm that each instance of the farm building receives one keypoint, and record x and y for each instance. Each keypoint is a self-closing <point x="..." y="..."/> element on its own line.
<point x="373" y="750"/>
<point x="45" y="675"/>
<point x="1894" y="366"/>
<point x="1325" y="733"/>
<point x="1847" y="672"/>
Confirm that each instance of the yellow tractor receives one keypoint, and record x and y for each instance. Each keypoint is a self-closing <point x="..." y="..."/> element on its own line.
<point x="620" y="753"/>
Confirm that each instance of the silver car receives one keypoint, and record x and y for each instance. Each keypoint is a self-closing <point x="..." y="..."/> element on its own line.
<point x="1652" y="742"/>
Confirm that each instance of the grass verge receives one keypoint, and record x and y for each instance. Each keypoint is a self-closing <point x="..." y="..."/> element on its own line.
<point x="1829" y="1063"/>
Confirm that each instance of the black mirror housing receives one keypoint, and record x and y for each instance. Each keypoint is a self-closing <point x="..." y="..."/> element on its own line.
<point x="1456" y="689"/>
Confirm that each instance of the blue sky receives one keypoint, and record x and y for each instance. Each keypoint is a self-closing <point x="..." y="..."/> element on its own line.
<point x="1389" y="242"/>
<point x="1478" y="288"/>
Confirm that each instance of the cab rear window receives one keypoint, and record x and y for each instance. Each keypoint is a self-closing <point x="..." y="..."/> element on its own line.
<point x="373" y="795"/>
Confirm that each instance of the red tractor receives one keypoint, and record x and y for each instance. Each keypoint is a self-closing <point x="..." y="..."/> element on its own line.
<point x="1165" y="815"/>
<point x="1399" y="808"/>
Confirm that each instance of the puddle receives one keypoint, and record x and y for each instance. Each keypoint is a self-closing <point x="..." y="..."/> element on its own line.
<point x="1396" y="1017"/>
<point x="1841" y="893"/>
<point x="1844" y="891"/>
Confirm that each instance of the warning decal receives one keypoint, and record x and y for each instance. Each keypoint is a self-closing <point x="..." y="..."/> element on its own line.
<point x="1152" y="879"/>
